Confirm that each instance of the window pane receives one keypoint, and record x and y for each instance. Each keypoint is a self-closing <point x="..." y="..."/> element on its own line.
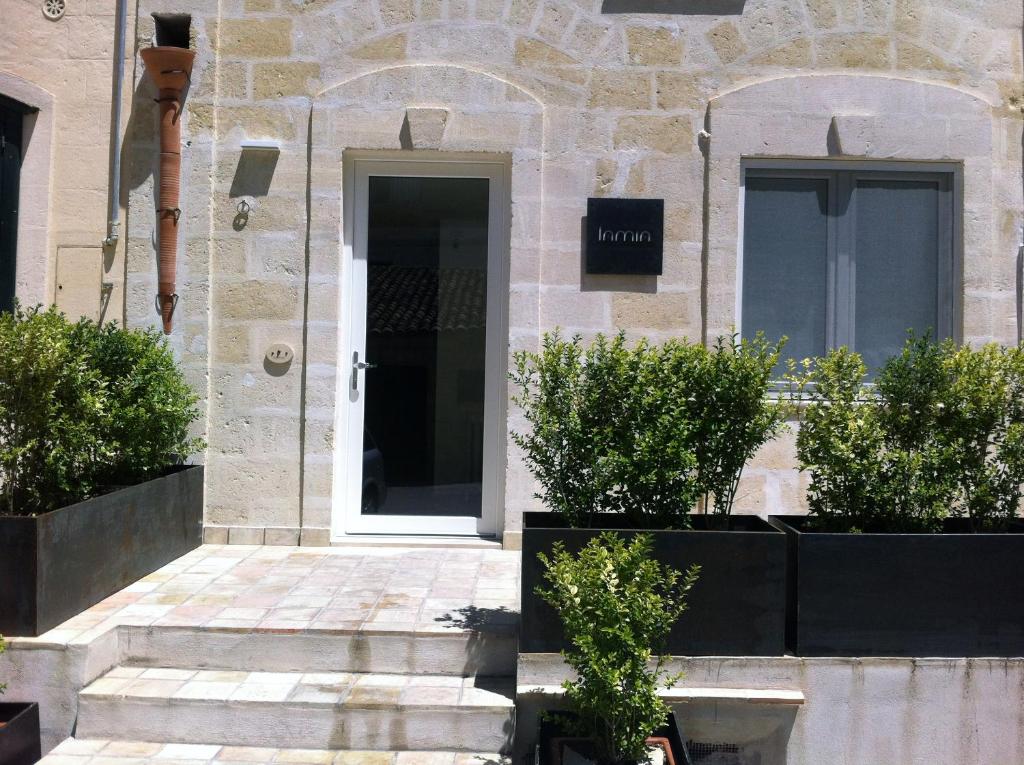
<point x="785" y="262"/>
<point x="897" y="262"/>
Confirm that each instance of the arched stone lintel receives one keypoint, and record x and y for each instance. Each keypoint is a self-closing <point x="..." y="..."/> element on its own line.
<point x="840" y="117"/>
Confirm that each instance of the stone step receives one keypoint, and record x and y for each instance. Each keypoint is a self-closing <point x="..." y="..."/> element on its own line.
<point x="77" y="751"/>
<point x="338" y="710"/>
<point x="484" y="648"/>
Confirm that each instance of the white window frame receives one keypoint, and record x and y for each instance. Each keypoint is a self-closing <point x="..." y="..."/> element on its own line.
<point x="841" y="274"/>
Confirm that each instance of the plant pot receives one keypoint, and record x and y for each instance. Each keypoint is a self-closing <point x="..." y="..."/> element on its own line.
<point x="56" y="565"/>
<point x="736" y="608"/>
<point x="19" y="734"/>
<point x="554" y="748"/>
<point x="952" y="594"/>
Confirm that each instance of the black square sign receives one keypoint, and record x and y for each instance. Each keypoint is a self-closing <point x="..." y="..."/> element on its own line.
<point x="625" y="236"/>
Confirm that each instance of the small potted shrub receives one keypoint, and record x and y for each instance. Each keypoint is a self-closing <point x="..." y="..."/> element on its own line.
<point x="617" y="606"/>
<point x="912" y="545"/>
<point x="19" y="730"/>
<point x="94" y="431"/>
<point x="634" y="438"/>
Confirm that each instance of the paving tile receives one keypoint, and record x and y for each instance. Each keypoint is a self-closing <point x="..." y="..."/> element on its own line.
<point x="188" y="752"/>
<point x="245" y="754"/>
<point x="314" y="756"/>
<point x="207" y="691"/>
<point x="364" y="758"/>
<point x="260" y="692"/>
<point x="77" y="746"/>
<point x="130" y="749"/>
<point x="109" y="685"/>
<point x="220" y="676"/>
<point x="374" y="696"/>
<point x="155" y="688"/>
<point x="289" y="589"/>
<point x="159" y="673"/>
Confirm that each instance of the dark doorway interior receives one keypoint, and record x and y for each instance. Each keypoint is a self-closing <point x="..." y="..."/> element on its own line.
<point x="426" y="335"/>
<point x="12" y="115"/>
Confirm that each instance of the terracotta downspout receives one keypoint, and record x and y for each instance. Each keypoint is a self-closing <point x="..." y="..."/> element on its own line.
<point x="170" y="69"/>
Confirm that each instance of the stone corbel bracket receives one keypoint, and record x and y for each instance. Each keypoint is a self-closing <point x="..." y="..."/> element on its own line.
<point x="423" y="128"/>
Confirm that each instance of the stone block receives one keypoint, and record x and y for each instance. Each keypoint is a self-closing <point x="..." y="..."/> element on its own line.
<point x="624" y="90"/>
<point x="395" y="12"/>
<point x="532" y="52"/>
<point x="670" y="135"/>
<point x="727" y="41"/>
<point x="254" y="300"/>
<point x="910" y="56"/>
<point x="676" y="311"/>
<point x="281" y="536"/>
<point x="390" y="48"/>
<point x="230" y="344"/>
<point x="253" y="38"/>
<point x="423" y="128"/>
<point x="313" y="537"/>
<point x="654" y="46"/>
<point x="822" y="13"/>
<point x="281" y="79"/>
<point x="858" y="51"/>
<point x="796" y="53"/>
<point x="245" y="535"/>
<point x="215" y="535"/>
<point x="678" y="90"/>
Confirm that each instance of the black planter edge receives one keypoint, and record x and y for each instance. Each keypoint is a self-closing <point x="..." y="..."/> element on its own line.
<point x="720" y="637"/>
<point x="25" y="745"/>
<point x="902" y="636"/>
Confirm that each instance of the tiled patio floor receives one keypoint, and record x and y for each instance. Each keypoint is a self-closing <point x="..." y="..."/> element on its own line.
<point x="99" y="752"/>
<point x="301" y="589"/>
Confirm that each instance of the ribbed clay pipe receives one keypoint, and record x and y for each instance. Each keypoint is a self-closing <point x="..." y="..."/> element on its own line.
<point x="170" y="69"/>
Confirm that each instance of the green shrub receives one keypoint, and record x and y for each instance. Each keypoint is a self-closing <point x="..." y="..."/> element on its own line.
<point x="150" y="406"/>
<point x="643" y="430"/>
<point x="617" y="606"/>
<point x="84" y="409"/>
<point x="730" y="402"/>
<point x="939" y="434"/>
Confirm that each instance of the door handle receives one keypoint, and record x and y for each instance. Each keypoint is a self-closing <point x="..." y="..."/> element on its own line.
<point x="358" y="365"/>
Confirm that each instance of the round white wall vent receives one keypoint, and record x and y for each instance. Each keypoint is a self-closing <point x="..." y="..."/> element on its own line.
<point x="54" y="9"/>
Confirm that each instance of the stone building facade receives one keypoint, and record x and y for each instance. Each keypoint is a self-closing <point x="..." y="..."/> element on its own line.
<point x="292" y="102"/>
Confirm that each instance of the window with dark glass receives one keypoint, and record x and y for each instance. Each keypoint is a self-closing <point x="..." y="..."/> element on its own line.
<point x="847" y="257"/>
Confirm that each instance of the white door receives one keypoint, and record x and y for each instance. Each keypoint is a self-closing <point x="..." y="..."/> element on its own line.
<point x="423" y="365"/>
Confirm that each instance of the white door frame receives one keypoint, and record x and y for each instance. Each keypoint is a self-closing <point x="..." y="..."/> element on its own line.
<point x="346" y="516"/>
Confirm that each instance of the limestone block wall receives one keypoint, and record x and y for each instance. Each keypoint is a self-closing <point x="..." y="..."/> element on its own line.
<point x="65" y="69"/>
<point x="583" y="102"/>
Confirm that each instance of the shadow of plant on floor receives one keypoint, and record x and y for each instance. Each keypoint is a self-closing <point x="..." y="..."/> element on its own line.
<point x="476" y="619"/>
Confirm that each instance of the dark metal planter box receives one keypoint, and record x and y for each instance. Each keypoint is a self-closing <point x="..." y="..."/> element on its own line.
<point x="948" y="594"/>
<point x="19" y="734"/>
<point x="737" y="607"/>
<point x="58" y="564"/>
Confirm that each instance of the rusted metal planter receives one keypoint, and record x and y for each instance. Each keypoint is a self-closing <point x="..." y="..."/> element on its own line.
<point x="55" y="565"/>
